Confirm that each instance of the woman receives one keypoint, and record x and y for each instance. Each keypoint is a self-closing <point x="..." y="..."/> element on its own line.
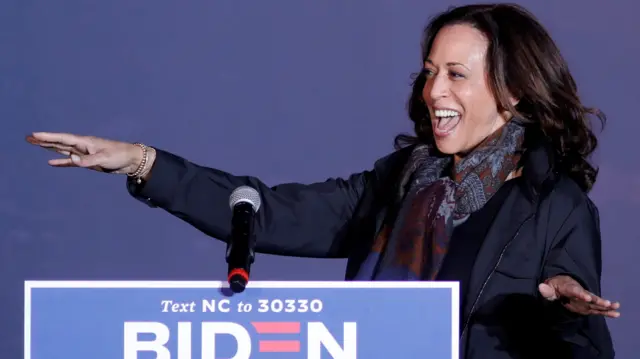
<point x="496" y="178"/>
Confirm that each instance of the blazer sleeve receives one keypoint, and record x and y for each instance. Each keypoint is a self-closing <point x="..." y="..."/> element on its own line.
<point x="576" y="252"/>
<point x="305" y="220"/>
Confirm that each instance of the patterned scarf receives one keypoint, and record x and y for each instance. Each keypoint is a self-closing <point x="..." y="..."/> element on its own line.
<point x="432" y="204"/>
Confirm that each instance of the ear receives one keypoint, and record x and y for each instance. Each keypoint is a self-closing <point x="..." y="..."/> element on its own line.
<point x="506" y="114"/>
<point x="514" y="101"/>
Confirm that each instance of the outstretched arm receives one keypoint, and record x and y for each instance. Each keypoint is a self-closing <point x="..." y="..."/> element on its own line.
<point x="294" y="219"/>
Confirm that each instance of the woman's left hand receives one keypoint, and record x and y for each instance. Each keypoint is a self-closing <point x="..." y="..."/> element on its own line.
<point x="577" y="299"/>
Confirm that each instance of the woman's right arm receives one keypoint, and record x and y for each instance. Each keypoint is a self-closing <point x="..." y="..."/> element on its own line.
<point x="294" y="219"/>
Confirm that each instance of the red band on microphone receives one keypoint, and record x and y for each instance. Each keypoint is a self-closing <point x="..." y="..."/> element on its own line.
<point x="238" y="271"/>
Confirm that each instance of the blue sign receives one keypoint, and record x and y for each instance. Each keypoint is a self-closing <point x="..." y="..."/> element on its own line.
<point x="204" y="320"/>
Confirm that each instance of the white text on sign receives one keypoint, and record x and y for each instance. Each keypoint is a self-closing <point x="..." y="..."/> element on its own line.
<point x="318" y="336"/>
<point x="225" y="306"/>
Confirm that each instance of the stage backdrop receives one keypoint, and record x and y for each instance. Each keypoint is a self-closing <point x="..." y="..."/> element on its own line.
<point x="285" y="90"/>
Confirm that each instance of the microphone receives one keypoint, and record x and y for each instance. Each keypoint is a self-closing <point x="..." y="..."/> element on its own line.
<point x="244" y="202"/>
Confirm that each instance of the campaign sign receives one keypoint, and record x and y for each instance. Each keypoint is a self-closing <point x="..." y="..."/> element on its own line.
<point x="204" y="320"/>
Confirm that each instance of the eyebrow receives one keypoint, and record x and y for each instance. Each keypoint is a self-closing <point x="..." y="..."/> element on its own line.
<point x="450" y="64"/>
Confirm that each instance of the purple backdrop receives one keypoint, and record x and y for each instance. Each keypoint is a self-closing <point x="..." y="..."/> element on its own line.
<point x="284" y="90"/>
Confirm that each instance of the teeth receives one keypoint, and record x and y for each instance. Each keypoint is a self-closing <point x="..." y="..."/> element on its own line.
<point x="446" y="113"/>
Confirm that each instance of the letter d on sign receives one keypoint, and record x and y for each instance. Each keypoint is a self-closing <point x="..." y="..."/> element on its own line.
<point x="209" y="331"/>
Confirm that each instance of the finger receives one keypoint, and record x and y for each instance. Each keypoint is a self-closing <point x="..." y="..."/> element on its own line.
<point x="581" y="307"/>
<point x="60" y="148"/>
<point x="600" y="302"/>
<point x="62" y="138"/>
<point x="547" y="291"/>
<point x="611" y="314"/>
<point x="62" y="162"/>
<point x="606" y="313"/>
<point x="68" y="162"/>
<point x="611" y="306"/>
<point x="575" y="291"/>
<point x="54" y="146"/>
<point x="32" y="139"/>
<point x="88" y="161"/>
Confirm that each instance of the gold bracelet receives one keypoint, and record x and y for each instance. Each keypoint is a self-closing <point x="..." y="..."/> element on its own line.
<point x="151" y="155"/>
<point x="143" y="163"/>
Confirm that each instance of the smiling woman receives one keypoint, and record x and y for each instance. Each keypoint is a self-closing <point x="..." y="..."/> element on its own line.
<point x="457" y="93"/>
<point x="490" y="192"/>
<point x="489" y="63"/>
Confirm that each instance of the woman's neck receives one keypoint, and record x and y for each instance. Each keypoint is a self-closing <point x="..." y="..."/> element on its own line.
<point x="456" y="159"/>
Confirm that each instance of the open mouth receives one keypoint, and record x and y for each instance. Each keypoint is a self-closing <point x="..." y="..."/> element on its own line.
<point x="445" y="122"/>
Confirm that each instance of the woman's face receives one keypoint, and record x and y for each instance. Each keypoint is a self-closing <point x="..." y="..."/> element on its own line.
<point x="462" y="108"/>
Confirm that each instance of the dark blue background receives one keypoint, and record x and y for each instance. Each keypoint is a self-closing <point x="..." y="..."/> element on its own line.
<point x="286" y="90"/>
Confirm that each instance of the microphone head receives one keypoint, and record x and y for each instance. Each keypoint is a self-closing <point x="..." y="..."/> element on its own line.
<point x="245" y="194"/>
<point x="238" y="280"/>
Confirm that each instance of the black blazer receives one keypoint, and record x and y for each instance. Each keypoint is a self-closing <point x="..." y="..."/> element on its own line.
<point x="546" y="226"/>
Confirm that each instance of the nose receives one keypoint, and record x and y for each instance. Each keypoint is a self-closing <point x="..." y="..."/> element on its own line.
<point x="436" y="87"/>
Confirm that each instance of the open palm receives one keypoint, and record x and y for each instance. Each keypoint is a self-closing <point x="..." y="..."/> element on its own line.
<point x="89" y="152"/>
<point x="577" y="299"/>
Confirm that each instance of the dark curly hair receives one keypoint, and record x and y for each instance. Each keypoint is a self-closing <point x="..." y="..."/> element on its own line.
<point x="524" y="62"/>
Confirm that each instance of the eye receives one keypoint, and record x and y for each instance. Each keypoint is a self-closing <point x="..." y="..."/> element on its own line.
<point x="427" y="72"/>
<point x="456" y="75"/>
